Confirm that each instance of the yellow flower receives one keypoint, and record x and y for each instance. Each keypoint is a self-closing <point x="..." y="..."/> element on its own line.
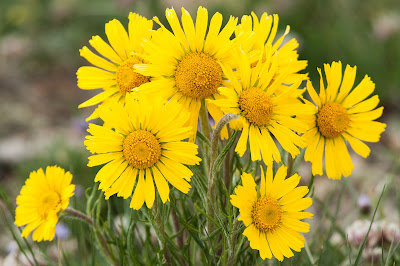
<point x="252" y="94"/>
<point x="114" y="73"/>
<point x="341" y="115"/>
<point x="41" y="199"/>
<point x="264" y="32"/>
<point x="186" y="63"/>
<point x="145" y="145"/>
<point x="272" y="212"/>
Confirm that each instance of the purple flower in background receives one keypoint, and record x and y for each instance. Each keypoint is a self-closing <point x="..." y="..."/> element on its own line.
<point x="79" y="191"/>
<point x="364" y="203"/>
<point x="80" y="125"/>
<point x="11" y="247"/>
<point x="62" y="231"/>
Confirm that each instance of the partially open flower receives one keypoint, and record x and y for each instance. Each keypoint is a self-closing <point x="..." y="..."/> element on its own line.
<point x="41" y="199"/>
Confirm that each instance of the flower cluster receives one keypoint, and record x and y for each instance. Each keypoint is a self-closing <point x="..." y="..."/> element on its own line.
<point x="156" y="85"/>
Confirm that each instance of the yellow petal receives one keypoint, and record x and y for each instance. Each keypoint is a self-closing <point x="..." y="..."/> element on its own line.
<point x="139" y="194"/>
<point x="357" y="145"/>
<point x="162" y="185"/>
<point x="150" y="192"/>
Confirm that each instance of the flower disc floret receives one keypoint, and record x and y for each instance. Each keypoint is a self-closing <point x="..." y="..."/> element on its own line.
<point x="49" y="202"/>
<point x="198" y="75"/>
<point x="141" y="149"/>
<point x="266" y="214"/>
<point x="127" y="78"/>
<point x="332" y="120"/>
<point x="256" y="105"/>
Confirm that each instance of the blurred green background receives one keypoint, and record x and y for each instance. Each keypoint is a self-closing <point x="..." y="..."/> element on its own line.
<point x="40" y="124"/>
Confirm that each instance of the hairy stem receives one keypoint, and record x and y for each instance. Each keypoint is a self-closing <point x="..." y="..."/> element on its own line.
<point x="214" y="153"/>
<point x="83" y="217"/>
<point x="205" y="129"/>
<point x="227" y="167"/>
<point x="158" y="226"/>
<point x="177" y="227"/>
<point x="290" y="162"/>
<point x="235" y="227"/>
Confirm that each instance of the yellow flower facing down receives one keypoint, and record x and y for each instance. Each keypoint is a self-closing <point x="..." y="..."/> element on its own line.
<point x="266" y="107"/>
<point x="264" y="31"/>
<point x="186" y="62"/>
<point x="113" y="71"/>
<point x="142" y="143"/>
<point x="272" y="213"/>
<point x="342" y="115"/>
<point x="41" y="199"/>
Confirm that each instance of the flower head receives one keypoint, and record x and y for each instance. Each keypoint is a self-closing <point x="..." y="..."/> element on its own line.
<point x="266" y="107"/>
<point x="186" y="63"/>
<point x="114" y="74"/>
<point x="41" y="199"/>
<point x="272" y="213"/>
<point x="263" y="32"/>
<point x="342" y="114"/>
<point x="143" y="141"/>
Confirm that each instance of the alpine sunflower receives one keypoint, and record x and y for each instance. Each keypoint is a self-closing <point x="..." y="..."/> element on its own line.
<point x="186" y="63"/>
<point x="41" y="199"/>
<point x="260" y="42"/>
<point x="113" y="70"/>
<point x="252" y="94"/>
<point x="341" y="114"/>
<point x="263" y="31"/>
<point x="272" y="213"/>
<point x="143" y="141"/>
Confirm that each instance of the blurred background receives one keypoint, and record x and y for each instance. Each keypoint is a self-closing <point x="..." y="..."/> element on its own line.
<point x="40" y="124"/>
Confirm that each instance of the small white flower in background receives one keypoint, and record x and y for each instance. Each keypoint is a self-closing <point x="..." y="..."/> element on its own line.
<point x="386" y="25"/>
<point x="381" y="232"/>
<point x="391" y="232"/>
<point x="121" y="222"/>
<point x="372" y="255"/>
<point x="356" y="232"/>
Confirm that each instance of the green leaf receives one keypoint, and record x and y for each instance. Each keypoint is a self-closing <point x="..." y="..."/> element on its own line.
<point x="391" y="252"/>
<point x="203" y="138"/>
<point x="218" y="162"/>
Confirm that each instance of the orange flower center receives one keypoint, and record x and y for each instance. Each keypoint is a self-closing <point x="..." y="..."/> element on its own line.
<point x="198" y="75"/>
<point x="332" y="120"/>
<point x="127" y="78"/>
<point x="256" y="105"/>
<point x="141" y="149"/>
<point x="266" y="214"/>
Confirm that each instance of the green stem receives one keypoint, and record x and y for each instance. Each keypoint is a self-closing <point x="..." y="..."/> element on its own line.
<point x="130" y="245"/>
<point x="214" y="153"/>
<point x="205" y="130"/>
<point x="158" y="227"/>
<point x="177" y="227"/>
<point x="290" y="162"/>
<point x="204" y="123"/>
<point x="234" y="235"/>
<point x="227" y="168"/>
<point x="309" y="255"/>
<point x="83" y="217"/>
